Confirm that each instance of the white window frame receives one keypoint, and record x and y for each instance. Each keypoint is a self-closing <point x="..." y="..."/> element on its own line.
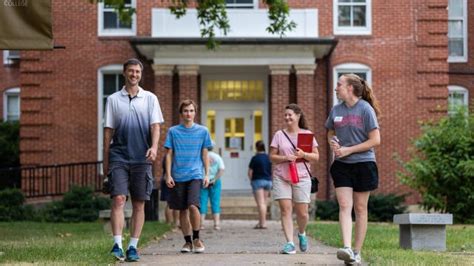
<point x="8" y="93"/>
<point x="461" y="90"/>
<point x="8" y="59"/>
<point x="109" y="69"/>
<point x="349" y="68"/>
<point x="243" y="6"/>
<point x="351" y="30"/>
<point x="115" y="32"/>
<point x="461" y="59"/>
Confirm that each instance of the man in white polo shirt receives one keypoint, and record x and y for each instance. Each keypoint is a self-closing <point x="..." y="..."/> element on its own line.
<point x="131" y="134"/>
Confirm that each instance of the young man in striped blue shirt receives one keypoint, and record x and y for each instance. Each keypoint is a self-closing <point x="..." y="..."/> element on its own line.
<point x="187" y="170"/>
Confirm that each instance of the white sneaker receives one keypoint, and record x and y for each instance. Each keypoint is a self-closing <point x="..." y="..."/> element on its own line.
<point x="358" y="259"/>
<point x="346" y="254"/>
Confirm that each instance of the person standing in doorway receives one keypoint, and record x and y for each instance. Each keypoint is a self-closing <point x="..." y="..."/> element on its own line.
<point x="131" y="134"/>
<point x="187" y="169"/>
<point x="353" y="132"/>
<point x="171" y="216"/>
<point x="213" y="191"/>
<point x="288" y="194"/>
<point x="260" y="175"/>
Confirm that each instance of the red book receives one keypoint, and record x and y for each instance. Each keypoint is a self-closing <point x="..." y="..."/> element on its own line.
<point x="305" y="142"/>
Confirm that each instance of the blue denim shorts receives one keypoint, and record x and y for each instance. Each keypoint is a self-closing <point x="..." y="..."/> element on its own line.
<point x="261" y="184"/>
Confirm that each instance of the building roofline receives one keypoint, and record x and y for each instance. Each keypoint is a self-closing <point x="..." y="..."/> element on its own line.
<point x="233" y="41"/>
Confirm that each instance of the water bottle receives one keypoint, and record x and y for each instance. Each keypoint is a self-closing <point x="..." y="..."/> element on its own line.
<point x="294" y="173"/>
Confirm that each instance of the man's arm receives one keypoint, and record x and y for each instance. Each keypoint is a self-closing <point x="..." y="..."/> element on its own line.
<point x="108" y="133"/>
<point x="168" y="178"/>
<point x="155" y="137"/>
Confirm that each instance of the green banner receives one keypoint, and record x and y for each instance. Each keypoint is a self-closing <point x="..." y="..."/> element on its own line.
<point x="25" y="25"/>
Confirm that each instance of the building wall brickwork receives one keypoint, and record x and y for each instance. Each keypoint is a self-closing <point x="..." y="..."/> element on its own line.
<point x="406" y="52"/>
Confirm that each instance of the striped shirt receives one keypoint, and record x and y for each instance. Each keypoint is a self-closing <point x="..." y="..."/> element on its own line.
<point x="187" y="145"/>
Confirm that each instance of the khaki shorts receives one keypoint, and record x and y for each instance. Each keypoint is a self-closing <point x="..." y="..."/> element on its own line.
<point x="299" y="193"/>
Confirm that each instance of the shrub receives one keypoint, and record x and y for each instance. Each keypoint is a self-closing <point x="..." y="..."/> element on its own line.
<point x="10" y="143"/>
<point x="327" y="210"/>
<point x="78" y="205"/>
<point x="11" y="206"/>
<point x="441" y="167"/>
<point x="381" y="208"/>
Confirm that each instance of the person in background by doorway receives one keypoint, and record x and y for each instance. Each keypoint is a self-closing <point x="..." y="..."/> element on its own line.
<point x="260" y="175"/>
<point x="171" y="216"/>
<point x="213" y="191"/>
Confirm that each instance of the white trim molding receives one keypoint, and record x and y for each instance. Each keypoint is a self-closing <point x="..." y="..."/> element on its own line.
<point x="101" y="31"/>
<point x="463" y="19"/>
<point x="349" y="68"/>
<point x="458" y="90"/>
<point x="244" y="23"/>
<point x="253" y="5"/>
<point x="109" y="69"/>
<point x="9" y="56"/>
<point x="6" y="94"/>
<point x="352" y="30"/>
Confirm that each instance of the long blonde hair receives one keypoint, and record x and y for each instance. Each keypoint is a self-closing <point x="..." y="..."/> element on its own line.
<point x="363" y="90"/>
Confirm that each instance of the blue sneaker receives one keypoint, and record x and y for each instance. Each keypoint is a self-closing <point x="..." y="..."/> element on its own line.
<point x="117" y="252"/>
<point x="303" y="242"/>
<point x="132" y="254"/>
<point x="288" y="248"/>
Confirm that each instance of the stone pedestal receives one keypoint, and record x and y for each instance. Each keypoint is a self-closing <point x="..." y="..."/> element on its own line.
<point x="422" y="231"/>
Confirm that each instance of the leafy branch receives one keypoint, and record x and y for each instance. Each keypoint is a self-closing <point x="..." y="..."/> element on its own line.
<point x="124" y="12"/>
<point x="212" y="16"/>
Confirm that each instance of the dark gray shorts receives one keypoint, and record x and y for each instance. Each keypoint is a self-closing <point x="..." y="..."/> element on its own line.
<point x="185" y="194"/>
<point x="134" y="178"/>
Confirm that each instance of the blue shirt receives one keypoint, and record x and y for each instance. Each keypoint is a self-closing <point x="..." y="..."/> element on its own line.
<point x="215" y="164"/>
<point x="187" y="145"/>
<point x="261" y="167"/>
<point x="131" y="119"/>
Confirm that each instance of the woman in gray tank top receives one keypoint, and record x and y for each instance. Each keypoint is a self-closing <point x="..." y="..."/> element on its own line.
<point x="353" y="132"/>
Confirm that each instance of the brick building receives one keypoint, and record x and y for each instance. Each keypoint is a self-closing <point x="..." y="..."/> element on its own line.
<point x="413" y="53"/>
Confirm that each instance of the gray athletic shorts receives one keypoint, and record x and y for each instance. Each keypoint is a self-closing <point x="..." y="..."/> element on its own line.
<point x="134" y="178"/>
<point x="185" y="194"/>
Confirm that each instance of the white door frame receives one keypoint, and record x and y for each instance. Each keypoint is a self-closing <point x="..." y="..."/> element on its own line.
<point x="236" y="73"/>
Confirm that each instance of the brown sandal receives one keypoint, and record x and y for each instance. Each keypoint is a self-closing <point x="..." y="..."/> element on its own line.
<point x="258" y="226"/>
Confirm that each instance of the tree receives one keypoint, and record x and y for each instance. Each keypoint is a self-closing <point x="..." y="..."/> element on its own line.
<point x="442" y="166"/>
<point x="212" y="15"/>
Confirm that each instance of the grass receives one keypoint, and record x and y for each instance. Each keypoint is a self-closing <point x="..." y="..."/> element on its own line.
<point x="381" y="245"/>
<point x="63" y="243"/>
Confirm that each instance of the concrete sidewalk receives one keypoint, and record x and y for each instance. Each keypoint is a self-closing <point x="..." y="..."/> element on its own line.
<point x="236" y="244"/>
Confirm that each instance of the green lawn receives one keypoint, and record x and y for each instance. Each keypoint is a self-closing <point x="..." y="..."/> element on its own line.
<point x="72" y="243"/>
<point x="381" y="245"/>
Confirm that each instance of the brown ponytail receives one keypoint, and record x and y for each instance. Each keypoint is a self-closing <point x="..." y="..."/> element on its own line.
<point x="363" y="90"/>
<point x="302" y="122"/>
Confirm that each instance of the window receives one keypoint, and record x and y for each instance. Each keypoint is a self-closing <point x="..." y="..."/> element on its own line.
<point x="11" y="105"/>
<point x="458" y="97"/>
<point x="109" y="23"/>
<point x="10" y="56"/>
<point x="360" y="70"/>
<point x="352" y="17"/>
<point x="110" y="80"/>
<point x="235" y="90"/>
<point x="457" y="30"/>
<point x="240" y="3"/>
